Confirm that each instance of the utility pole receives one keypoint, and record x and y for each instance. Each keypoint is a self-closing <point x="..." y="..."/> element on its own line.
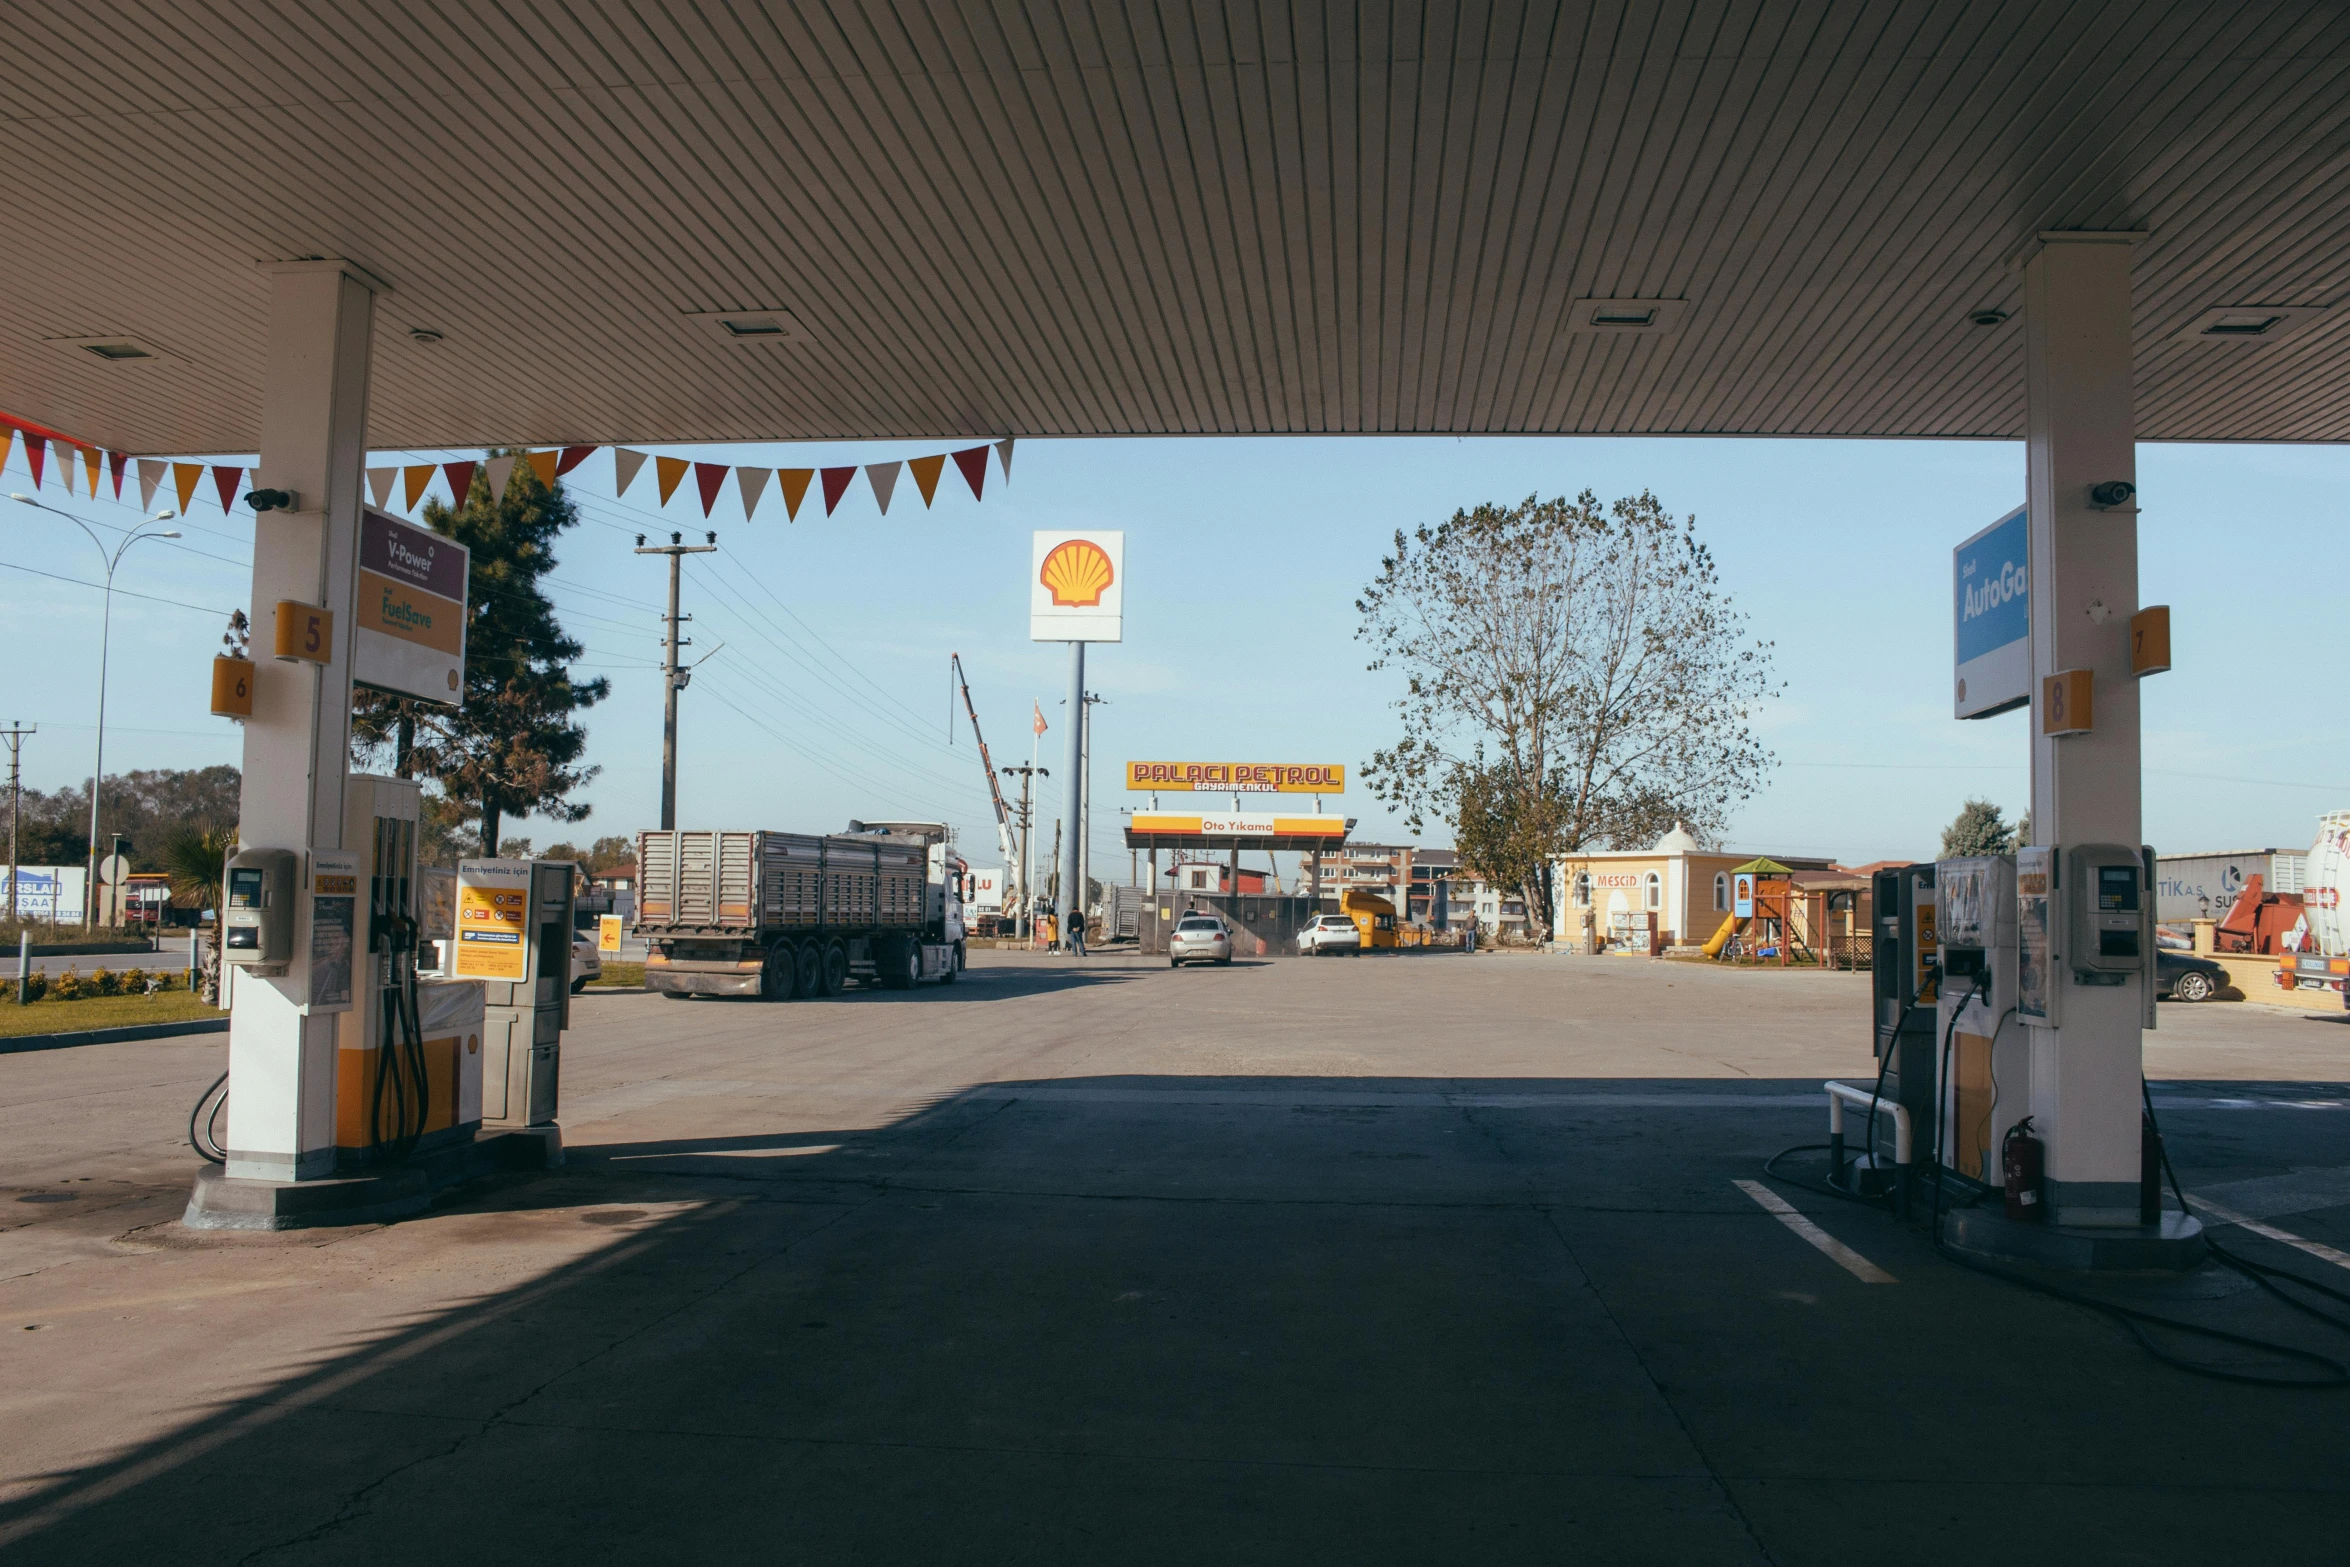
<point x="15" y="734"/>
<point x="673" y="676"/>
<point x="1024" y="915"/>
<point x="1085" y="801"/>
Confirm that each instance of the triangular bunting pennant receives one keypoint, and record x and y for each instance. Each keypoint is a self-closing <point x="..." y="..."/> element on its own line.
<point x="379" y="485"/>
<point x="7" y="439"/>
<point x="625" y="463"/>
<point x="117" y="460"/>
<point x="36" y="455"/>
<point x="795" y="489"/>
<point x="413" y="479"/>
<point x="543" y="464"/>
<point x="183" y="481"/>
<point x="973" y="462"/>
<point x="573" y="456"/>
<point x="460" y="479"/>
<point x="224" y="480"/>
<point x="150" y="475"/>
<point x="836" y="485"/>
<point x="65" y="467"/>
<point x="1003" y="449"/>
<point x="499" y="470"/>
<point x="926" y="471"/>
<point x="753" y="484"/>
<point x="883" y="476"/>
<point x="707" y="477"/>
<point x="671" y="472"/>
<point x="90" y="461"/>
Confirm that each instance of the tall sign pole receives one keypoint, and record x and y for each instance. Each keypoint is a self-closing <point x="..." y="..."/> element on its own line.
<point x="1076" y="594"/>
<point x="15" y="734"/>
<point x="674" y="676"/>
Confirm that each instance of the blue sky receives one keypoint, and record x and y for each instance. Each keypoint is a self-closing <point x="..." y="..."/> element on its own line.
<point x="831" y="699"/>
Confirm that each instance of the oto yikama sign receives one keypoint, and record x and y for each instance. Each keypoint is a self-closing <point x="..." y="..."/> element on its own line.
<point x="412" y="597"/>
<point x="1239" y="777"/>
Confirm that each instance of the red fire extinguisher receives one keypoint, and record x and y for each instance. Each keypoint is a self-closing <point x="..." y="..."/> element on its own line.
<point x="2023" y="1161"/>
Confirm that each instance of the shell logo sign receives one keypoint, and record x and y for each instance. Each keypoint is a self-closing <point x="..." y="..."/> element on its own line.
<point x="1077" y="586"/>
<point x="1077" y="573"/>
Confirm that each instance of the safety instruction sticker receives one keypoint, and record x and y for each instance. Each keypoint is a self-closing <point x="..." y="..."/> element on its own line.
<point x="493" y="920"/>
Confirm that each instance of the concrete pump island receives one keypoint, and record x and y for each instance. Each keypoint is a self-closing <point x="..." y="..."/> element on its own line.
<point x="851" y="1183"/>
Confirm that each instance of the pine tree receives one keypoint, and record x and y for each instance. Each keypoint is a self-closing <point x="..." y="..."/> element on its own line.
<point x="1979" y="828"/>
<point x="513" y="748"/>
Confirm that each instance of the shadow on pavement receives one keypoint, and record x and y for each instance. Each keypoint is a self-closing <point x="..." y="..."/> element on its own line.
<point x="1183" y="1319"/>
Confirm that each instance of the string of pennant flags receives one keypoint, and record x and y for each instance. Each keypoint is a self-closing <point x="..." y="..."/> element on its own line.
<point x="412" y="480"/>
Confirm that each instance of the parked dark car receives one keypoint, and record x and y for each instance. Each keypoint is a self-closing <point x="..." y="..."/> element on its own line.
<point x="2181" y="976"/>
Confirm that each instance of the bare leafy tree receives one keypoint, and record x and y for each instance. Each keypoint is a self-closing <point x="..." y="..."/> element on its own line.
<point x="1574" y="676"/>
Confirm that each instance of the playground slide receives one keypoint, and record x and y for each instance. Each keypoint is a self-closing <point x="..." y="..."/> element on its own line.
<point x="1731" y="925"/>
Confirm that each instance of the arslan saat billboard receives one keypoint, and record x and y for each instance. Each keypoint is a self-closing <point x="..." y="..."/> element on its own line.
<point x="1991" y="577"/>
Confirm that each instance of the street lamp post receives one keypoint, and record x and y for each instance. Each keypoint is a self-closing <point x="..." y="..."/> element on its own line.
<point x="105" y="638"/>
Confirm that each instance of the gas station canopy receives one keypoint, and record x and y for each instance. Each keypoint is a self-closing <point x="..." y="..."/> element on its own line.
<point x="1229" y="830"/>
<point x="706" y="221"/>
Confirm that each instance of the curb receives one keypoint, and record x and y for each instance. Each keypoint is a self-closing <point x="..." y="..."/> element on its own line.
<point x="112" y="1036"/>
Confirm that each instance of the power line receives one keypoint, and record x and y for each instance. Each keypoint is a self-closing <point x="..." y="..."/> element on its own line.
<point x="121" y="592"/>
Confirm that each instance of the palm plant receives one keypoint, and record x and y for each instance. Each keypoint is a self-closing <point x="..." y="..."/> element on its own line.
<point x="196" y="860"/>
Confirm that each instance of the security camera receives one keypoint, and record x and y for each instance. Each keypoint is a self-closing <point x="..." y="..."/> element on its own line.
<point x="2113" y="492"/>
<point x="273" y="500"/>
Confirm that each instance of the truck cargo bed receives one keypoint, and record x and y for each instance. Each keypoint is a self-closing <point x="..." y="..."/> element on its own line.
<point x="748" y="884"/>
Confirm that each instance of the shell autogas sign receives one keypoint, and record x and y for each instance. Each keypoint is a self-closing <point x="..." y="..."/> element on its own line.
<point x="1239" y="777"/>
<point x="1077" y="586"/>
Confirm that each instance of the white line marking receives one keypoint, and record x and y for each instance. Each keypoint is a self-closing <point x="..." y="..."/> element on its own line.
<point x="1845" y="1257"/>
<point x="2317" y="1249"/>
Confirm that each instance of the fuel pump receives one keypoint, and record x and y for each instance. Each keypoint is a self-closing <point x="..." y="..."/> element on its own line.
<point x="1907" y="964"/>
<point x="1984" y="1059"/>
<point x="408" y="1056"/>
<point x="513" y="930"/>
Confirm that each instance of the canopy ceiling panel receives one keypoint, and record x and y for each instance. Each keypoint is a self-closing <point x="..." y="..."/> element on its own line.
<point x="1054" y="218"/>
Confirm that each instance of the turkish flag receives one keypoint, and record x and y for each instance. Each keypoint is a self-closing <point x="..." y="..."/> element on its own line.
<point x="1040" y="725"/>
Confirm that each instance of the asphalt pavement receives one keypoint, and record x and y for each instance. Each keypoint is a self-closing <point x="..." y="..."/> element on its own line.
<point x="1390" y="1259"/>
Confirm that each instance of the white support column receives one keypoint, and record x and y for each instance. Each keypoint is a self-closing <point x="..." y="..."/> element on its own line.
<point x="281" y="1116"/>
<point x="2082" y="432"/>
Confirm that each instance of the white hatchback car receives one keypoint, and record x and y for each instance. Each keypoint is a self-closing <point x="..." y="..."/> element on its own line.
<point x="1199" y="938"/>
<point x="587" y="961"/>
<point x="1328" y="933"/>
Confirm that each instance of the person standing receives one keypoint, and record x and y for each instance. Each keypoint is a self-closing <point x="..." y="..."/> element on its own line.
<point x="1077" y="931"/>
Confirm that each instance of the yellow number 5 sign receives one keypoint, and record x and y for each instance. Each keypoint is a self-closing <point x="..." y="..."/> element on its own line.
<point x="305" y="633"/>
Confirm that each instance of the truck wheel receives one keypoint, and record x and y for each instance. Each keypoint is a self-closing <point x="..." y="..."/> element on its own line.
<point x="898" y="965"/>
<point x="836" y="968"/>
<point x="779" y="976"/>
<point x="810" y="964"/>
<point x="954" y="965"/>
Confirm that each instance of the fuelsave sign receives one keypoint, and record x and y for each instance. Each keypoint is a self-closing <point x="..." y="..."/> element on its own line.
<point x="1991" y="576"/>
<point x="1077" y="586"/>
<point x="412" y="595"/>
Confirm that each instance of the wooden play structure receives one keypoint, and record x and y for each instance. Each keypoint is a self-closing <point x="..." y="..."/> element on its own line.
<point x="1762" y="923"/>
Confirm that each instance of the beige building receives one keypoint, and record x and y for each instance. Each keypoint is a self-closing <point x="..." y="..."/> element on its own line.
<point x="1609" y="893"/>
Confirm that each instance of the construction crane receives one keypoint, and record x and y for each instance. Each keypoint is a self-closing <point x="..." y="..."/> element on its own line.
<point x="1003" y="816"/>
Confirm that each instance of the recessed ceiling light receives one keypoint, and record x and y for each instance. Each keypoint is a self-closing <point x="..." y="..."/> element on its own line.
<point x="1986" y="317"/>
<point x="1626" y="315"/>
<point x="756" y="328"/>
<point x="423" y="334"/>
<point x="2251" y="323"/>
<point x="118" y="349"/>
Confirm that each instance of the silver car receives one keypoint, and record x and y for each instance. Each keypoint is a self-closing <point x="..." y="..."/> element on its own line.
<point x="1199" y="938"/>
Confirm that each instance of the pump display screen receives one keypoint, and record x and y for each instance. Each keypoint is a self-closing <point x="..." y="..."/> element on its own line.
<point x="244" y="889"/>
<point x="2117" y="889"/>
